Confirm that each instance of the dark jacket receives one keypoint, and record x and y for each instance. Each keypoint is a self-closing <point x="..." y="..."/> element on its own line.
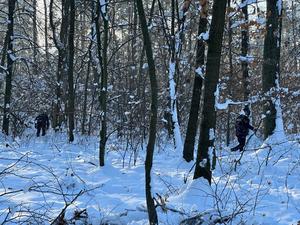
<point x="42" y="121"/>
<point x="242" y="126"/>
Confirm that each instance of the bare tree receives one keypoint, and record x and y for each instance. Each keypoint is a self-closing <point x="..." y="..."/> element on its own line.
<point x="191" y="131"/>
<point x="35" y="37"/>
<point x="60" y="40"/>
<point x="71" y="93"/>
<point x="153" y="120"/>
<point x="244" y="51"/>
<point x="103" y="84"/>
<point x="10" y="62"/>
<point x="46" y="31"/>
<point x="270" y="73"/>
<point x="208" y="115"/>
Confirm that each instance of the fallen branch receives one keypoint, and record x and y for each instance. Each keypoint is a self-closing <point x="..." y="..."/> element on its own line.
<point x="61" y="215"/>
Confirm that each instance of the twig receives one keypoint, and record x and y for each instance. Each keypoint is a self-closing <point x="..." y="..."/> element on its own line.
<point x="59" y="217"/>
<point x="186" y="177"/>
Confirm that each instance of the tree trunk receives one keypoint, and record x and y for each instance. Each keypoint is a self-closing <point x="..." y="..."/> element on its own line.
<point x="60" y="43"/>
<point x="10" y="62"/>
<point x="103" y="85"/>
<point x="172" y="85"/>
<point x="208" y="116"/>
<point x="46" y="32"/>
<point x="142" y="84"/>
<point x="230" y="74"/>
<point x="87" y="78"/>
<point x="270" y="66"/>
<point x="35" y="38"/>
<point x="153" y="120"/>
<point x="245" y="44"/>
<point x="295" y="37"/>
<point x="189" y="144"/>
<point x="71" y="93"/>
<point x="4" y="56"/>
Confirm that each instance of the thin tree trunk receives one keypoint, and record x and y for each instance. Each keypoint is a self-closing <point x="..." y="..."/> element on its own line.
<point x="71" y="93"/>
<point x="10" y="62"/>
<point x="245" y="44"/>
<point x="295" y="38"/>
<point x="103" y="85"/>
<point x="87" y="78"/>
<point x="153" y="119"/>
<point x="60" y="43"/>
<point x="4" y="56"/>
<point x="176" y="44"/>
<point x="142" y="84"/>
<point x="230" y="74"/>
<point x="46" y="32"/>
<point x="279" y="128"/>
<point x="35" y="38"/>
<point x="208" y="116"/>
<point x="189" y="144"/>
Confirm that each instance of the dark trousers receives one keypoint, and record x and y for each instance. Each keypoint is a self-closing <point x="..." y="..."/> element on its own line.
<point x="241" y="145"/>
<point x="39" y="129"/>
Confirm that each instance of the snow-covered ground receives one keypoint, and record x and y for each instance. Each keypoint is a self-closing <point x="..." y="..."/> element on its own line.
<point x="40" y="177"/>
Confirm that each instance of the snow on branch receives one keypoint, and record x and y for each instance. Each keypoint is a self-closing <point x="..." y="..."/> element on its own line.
<point x="103" y="8"/>
<point x="245" y="3"/>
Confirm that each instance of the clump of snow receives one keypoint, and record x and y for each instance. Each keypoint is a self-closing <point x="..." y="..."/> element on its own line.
<point x="204" y="36"/>
<point x="247" y="2"/>
<point x="145" y="66"/>
<point x="200" y="71"/>
<point x="248" y="58"/>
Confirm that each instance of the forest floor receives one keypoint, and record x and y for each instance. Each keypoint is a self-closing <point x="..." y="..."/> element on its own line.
<point x="42" y="178"/>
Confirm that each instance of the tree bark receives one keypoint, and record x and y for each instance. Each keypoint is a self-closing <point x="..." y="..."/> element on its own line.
<point x="10" y="62"/>
<point x="244" y="51"/>
<point x="71" y="93"/>
<point x="208" y="116"/>
<point x="230" y="74"/>
<point x="295" y="37"/>
<point x="46" y="32"/>
<point x="35" y="38"/>
<point x="85" y="98"/>
<point x="103" y="84"/>
<point x="270" y="66"/>
<point x="174" y="49"/>
<point x="189" y="144"/>
<point x="4" y="56"/>
<point x="153" y="119"/>
<point x="60" y="42"/>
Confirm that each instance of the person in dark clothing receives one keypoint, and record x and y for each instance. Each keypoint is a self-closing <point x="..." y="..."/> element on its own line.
<point x="41" y="124"/>
<point x="242" y="126"/>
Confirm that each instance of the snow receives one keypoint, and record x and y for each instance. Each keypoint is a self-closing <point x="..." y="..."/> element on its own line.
<point x="39" y="175"/>
<point x="279" y="6"/>
<point x="12" y="56"/>
<point x="248" y="58"/>
<point x="145" y="66"/>
<point x="203" y="36"/>
<point x="261" y="20"/>
<point x="224" y="105"/>
<point x="279" y="134"/>
<point x="247" y="2"/>
<point x="103" y="7"/>
<point x="200" y="71"/>
<point x="237" y="23"/>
